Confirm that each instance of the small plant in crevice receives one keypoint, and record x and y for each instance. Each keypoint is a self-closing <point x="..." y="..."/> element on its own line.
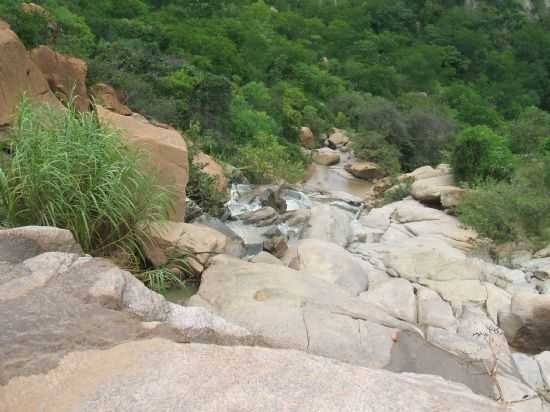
<point x="176" y="273"/>
<point x="397" y="192"/>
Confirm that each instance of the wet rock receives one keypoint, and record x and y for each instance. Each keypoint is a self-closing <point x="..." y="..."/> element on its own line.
<point x="539" y="267"/>
<point x="326" y="156"/>
<point x="265" y="216"/>
<point x="365" y="170"/>
<point x="276" y="245"/>
<point x="396" y="297"/>
<point x="329" y="262"/>
<point x="273" y="198"/>
<point x="108" y="97"/>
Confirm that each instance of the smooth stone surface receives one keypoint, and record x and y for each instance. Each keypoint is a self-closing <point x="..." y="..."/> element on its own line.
<point x="396" y="297"/>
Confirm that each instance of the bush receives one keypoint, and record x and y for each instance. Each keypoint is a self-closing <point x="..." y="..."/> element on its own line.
<point x="480" y="154"/>
<point x="528" y="131"/>
<point x="512" y="211"/>
<point x="373" y="147"/>
<point x="267" y="160"/>
<point x="397" y="193"/>
<point x="68" y="171"/>
<point x="202" y="190"/>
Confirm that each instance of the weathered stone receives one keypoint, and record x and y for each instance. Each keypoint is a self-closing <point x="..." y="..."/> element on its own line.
<point x="326" y="156"/>
<point x="212" y="169"/>
<point x="66" y="75"/>
<point x="337" y="138"/>
<point x="458" y="292"/>
<point x="264" y="257"/>
<point x="497" y="300"/>
<point x="304" y="311"/>
<point x="108" y="97"/>
<point x="395" y="297"/>
<point x="276" y="245"/>
<point x="165" y="148"/>
<point x="527" y="324"/>
<point x="451" y="197"/>
<point x="127" y="378"/>
<point x="539" y="267"/>
<point x="330" y="224"/>
<point x="262" y="217"/>
<point x="329" y="262"/>
<point x="307" y="138"/>
<point x="423" y="172"/>
<point x="429" y="190"/>
<point x="19" y="75"/>
<point x="543" y="253"/>
<point x="200" y="240"/>
<point x="365" y="170"/>
<point x="543" y="360"/>
<point x="529" y="370"/>
<point x="23" y="243"/>
<point x="434" y="311"/>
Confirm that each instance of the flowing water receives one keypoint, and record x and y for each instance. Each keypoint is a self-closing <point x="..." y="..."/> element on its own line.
<point x="335" y="179"/>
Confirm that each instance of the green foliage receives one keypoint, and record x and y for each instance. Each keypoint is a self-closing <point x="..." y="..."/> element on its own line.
<point x="373" y="147"/>
<point x="512" y="211"/>
<point x="266" y="160"/>
<point x="480" y="154"/>
<point x="32" y="28"/>
<point x="172" y="275"/>
<point x="529" y="130"/>
<point x="68" y="171"/>
<point x="201" y="188"/>
<point x="397" y="193"/>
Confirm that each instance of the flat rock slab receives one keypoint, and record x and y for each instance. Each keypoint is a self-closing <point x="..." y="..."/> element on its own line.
<point x="159" y="375"/>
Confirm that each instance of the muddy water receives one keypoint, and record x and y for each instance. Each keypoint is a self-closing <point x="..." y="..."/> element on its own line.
<point x="335" y="179"/>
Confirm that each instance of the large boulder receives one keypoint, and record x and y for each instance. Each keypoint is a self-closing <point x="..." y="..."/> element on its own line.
<point x="429" y="190"/>
<point x="66" y="75"/>
<point x="165" y="148"/>
<point x="55" y="302"/>
<point x="212" y="169"/>
<point x="337" y="138"/>
<point x="305" y="312"/>
<point x="326" y="156"/>
<point x="108" y="97"/>
<point x="201" y="241"/>
<point x="329" y="262"/>
<point x="156" y="374"/>
<point x="365" y="170"/>
<point x="19" y="75"/>
<point x="527" y="323"/>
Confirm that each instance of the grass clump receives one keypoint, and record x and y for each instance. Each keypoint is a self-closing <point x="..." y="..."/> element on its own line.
<point x="69" y="171"/>
<point x="398" y="192"/>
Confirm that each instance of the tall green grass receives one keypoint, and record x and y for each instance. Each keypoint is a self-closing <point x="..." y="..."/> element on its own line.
<point x="69" y="171"/>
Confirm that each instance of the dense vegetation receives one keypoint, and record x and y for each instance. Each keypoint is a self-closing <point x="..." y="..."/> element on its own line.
<point x="419" y="81"/>
<point x="68" y="171"/>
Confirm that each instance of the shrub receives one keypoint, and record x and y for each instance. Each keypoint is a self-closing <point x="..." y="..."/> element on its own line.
<point x="512" y="211"/>
<point x="373" y="147"/>
<point x="266" y="160"/>
<point x="202" y="190"/>
<point x="69" y="171"/>
<point x="480" y="154"/>
<point x="528" y="131"/>
<point x="397" y="193"/>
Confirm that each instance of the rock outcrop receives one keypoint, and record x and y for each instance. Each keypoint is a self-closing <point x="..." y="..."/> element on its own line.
<point x="165" y="149"/>
<point x="212" y="169"/>
<point x="108" y="97"/>
<point x="66" y="75"/>
<point x="365" y="170"/>
<point x="307" y="138"/>
<point x="325" y="156"/>
<point x="157" y="374"/>
<point x="19" y="75"/>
